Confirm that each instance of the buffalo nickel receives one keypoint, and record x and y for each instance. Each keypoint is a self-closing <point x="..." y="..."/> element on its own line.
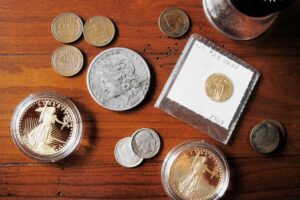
<point x="99" y="31"/>
<point x="218" y="87"/>
<point x="118" y="79"/>
<point x="265" y="137"/>
<point x="67" y="60"/>
<point x="67" y="27"/>
<point x="145" y="143"/>
<point x="174" y="22"/>
<point x="124" y="154"/>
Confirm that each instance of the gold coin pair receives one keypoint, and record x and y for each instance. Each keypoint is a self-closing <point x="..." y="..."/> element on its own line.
<point x="97" y="31"/>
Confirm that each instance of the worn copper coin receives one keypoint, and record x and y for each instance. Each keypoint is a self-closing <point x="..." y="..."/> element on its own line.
<point x="174" y="22"/>
<point x="67" y="27"/>
<point x="266" y="136"/>
<point x="99" y="31"/>
<point x="67" y="60"/>
<point x="218" y="87"/>
<point x="195" y="170"/>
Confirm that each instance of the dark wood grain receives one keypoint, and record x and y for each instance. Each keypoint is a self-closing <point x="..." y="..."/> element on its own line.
<point x="91" y="172"/>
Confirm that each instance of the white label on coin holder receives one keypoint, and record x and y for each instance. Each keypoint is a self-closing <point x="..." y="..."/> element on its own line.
<point x="184" y="94"/>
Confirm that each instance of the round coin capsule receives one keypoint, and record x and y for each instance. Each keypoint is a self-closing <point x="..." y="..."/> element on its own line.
<point x="195" y="170"/>
<point x="46" y="126"/>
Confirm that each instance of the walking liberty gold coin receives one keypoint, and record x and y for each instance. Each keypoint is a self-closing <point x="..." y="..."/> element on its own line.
<point x="46" y="126"/>
<point x="99" y="31"/>
<point x="195" y="170"/>
<point x="67" y="60"/>
<point x="218" y="87"/>
<point x="67" y="27"/>
<point x="174" y="22"/>
<point x="266" y="136"/>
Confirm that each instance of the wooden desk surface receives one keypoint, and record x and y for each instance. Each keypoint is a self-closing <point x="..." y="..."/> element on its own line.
<point x="26" y="46"/>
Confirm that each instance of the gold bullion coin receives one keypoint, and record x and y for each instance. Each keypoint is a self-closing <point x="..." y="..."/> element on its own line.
<point x="99" y="31"/>
<point x="67" y="60"/>
<point x="218" y="87"/>
<point x="174" y="22"/>
<point x="67" y="27"/>
<point x="196" y="173"/>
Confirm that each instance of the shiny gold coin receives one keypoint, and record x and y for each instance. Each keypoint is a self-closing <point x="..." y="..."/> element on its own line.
<point x="67" y="27"/>
<point x="99" y="31"/>
<point x="218" y="87"/>
<point x="196" y="174"/>
<point x="67" y="60"/>
<point x="174" y="22"/>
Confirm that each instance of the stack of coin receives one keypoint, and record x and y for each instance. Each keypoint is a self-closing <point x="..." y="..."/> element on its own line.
<point x="266" y="136"/>
<point x="174" y="22"/>
<point x="131" y="151"/>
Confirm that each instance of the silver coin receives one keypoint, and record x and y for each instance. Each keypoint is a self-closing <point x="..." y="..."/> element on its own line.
<point x="118" y="79"/>
<point x="124" y="154"/>
<point x="145" y="143"/>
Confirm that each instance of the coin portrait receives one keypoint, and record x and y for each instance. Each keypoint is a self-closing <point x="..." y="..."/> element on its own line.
<point x="118" y="79"/>
<point x="174" y="22"/>
<point x="99" y="31"/>
<point x="46" y="126"/>
<point x="218" y="87"/>
<point x="145" y="143"/>
<point x="67" y="27"/>
<point x="67" y="60"/>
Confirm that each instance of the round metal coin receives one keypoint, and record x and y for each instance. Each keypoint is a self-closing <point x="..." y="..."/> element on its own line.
<point x="174" y="22"/>
<point x="145" y="143"/>
<point x="67" y="27"/>
<point x="218" y="87"/>
<point x="67" y="60"/>
<point x="118" y="79"/>
<point x="195" y="170"/>
<point x="46" y="126"/>
<point x="265" y="137"/>
<point x="124" y="154"/>
<point x="99" y="31"/>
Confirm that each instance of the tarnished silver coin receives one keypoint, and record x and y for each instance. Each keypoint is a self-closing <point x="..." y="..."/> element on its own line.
<point x="265" y="137"/>
<point x="145" y="143"/>
<point x="124" y="154"/>
<point x="118" y="79"/>
<point x="67" y="60"/>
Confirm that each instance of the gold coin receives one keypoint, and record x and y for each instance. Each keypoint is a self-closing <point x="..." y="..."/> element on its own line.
<point x="196" y="173"/>
<point x="99" y="31"/>
<point x="67" y="60"/>
<point x="174" y="22"/>
<point x="218" y="87"/>
<point x="67" y="27"/>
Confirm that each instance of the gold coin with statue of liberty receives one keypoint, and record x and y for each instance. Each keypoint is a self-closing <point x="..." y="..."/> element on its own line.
<point x="218" y="87"/>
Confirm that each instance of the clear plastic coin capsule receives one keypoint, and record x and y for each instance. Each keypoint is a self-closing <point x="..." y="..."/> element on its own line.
<point x="46" y="126"/>
<point x="195" y="170"/>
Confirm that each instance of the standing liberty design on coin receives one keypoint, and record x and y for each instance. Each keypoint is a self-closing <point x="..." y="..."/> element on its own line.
<point x="218" y="87"/>
<point x="118" y="79"/>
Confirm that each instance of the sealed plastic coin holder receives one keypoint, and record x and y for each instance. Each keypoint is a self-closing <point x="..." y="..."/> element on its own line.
<point x="195" y="170"/>
<point x="46" y="126"/>
<point x="208" y="88"/>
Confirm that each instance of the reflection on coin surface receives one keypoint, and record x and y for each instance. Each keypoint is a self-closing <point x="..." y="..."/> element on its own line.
<point x="145" y="143"/>
<point x="265" y="137"/>
<point x="46" y="126"/>
<point x="218" y="87"/>
<point x="118" y="79"/>
<point x="174" y="22"/>
<point x="195" y="170"/>
<point x="67" y="27"/>
<point x="124" y="154"/>
<point x="67" y="60"/>
<point x="99" y="31"/>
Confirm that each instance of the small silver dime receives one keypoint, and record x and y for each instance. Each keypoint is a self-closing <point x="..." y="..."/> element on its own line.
<point x="124" y="154"/>
<point x="118" y="79"/>
<point x="145" y="143"/>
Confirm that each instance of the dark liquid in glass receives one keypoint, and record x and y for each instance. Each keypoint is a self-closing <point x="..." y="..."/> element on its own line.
<point x="260" y="8"/>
